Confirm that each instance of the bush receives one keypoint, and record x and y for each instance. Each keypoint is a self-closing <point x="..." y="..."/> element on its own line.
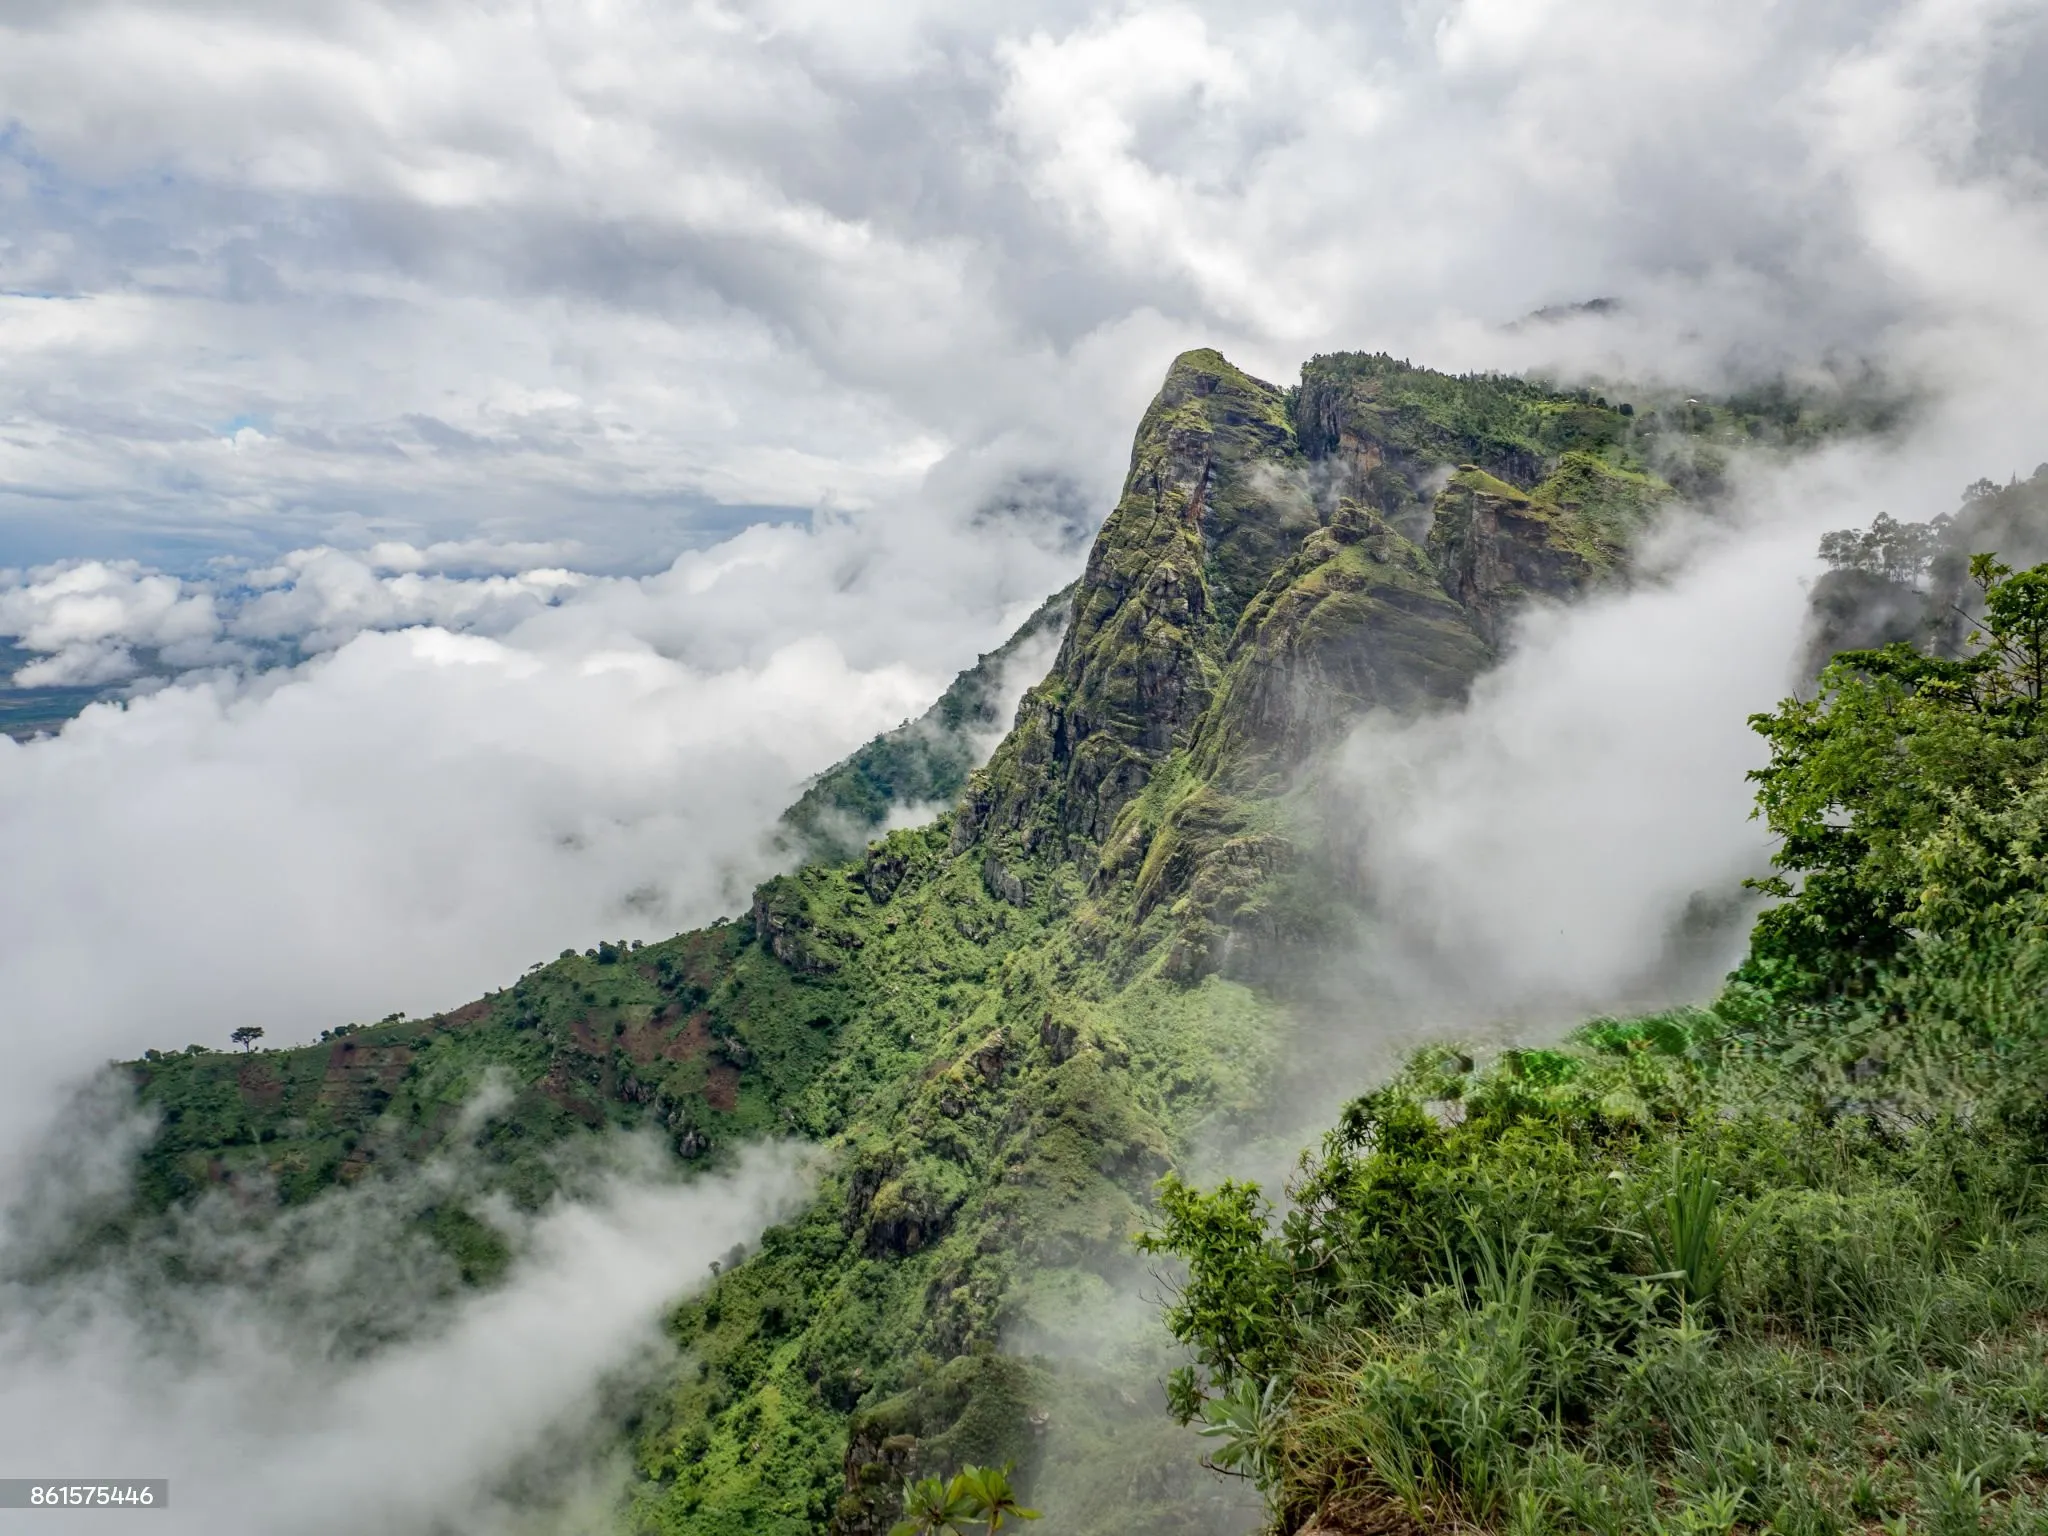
<point x="1675" y="1276"/>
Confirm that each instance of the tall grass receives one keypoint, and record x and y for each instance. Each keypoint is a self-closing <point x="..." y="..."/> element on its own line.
<point x="1679" y="1277"/>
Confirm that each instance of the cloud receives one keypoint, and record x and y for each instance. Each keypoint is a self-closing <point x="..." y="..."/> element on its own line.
<point x="1541" y="854"/>
<point x="327" y="1372"/>
<point x="88" y="615"/>
<point x="333" y="274"/>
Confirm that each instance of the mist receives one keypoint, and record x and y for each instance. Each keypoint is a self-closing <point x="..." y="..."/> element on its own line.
<point x="324" y="1369"/>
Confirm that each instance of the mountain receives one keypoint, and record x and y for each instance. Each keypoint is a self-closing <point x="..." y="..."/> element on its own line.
<point x="1008" y="1022"/>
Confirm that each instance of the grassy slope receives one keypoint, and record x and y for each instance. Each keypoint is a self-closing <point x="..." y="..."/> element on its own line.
<point x="1007" y="1025"/>
<point x="1786" y="1273"/>
<point x="701" y="1035"/>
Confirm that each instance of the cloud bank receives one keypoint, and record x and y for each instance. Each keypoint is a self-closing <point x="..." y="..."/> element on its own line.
<point x="334" y="273"/>
<point x="326" y="1372"/>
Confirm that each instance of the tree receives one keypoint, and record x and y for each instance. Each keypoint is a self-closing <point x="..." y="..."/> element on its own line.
<point x="1885" y="784"/>
<point x="1898" y="551"/>
<point x="989" y="1497"/>
<point x="932" y="1507"/>
<point x="247" y="1036"/>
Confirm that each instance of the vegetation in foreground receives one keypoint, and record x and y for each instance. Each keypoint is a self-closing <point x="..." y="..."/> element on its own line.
<point x="1777" y="1266"/>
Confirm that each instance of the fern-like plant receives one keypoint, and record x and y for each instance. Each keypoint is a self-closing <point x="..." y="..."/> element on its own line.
<point x="1691" y="1237"/>
<point x="1245" y="1424"/>
<point x="939" y="1507"/>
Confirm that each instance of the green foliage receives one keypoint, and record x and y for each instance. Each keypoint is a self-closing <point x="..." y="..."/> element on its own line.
<point x="1688" y="1231"/>
<point x="1889" y="548"/>
<point x="990" y="1498"/>
<point x="939" y="1508"/>
<point x="1907" y="797"/>
<point x="933" y="1506"/>
<point x="1244" y="1422"/>
<point x="1493" y="1307"/>
<point x="1233" y="1305"/>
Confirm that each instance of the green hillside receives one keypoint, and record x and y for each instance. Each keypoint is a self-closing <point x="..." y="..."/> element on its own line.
<point x="1778" y="1265"/>
<point x="1007" y="1025"/>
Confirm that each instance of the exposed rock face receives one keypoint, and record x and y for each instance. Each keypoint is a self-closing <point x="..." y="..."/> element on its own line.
<point x="908" y="1213"/>
<point x="1495" y="547"/>
<point x="877" y="1466"/>
<point x="1261" y="583"/>
<point x="1367" y="422"/>
<point x="1355" y="620"/>
<point x="882" y="870"/>
<point x="1000" y="882"/>
<point x="1216" y="498"/>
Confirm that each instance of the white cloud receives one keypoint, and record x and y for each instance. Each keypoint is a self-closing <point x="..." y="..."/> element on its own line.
<point x="1537" y="856"/>
<point x="326" y="1374"/>
<point x="333" y="274"/>
<point x="88" y="615"/>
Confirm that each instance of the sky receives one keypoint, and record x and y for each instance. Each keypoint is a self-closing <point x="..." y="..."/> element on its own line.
<point x="499" y="450"/>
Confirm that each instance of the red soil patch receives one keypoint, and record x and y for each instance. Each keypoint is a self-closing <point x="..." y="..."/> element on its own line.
<point x="467" y="1014"/>
<point x="722" y="1087"/>
<point x="561" y="1090"/>
<point x="260" y="1085"/>
<point x="353" y="1070"/>
<point x="592" y="1034"/>
<point x="661" y="1038"/>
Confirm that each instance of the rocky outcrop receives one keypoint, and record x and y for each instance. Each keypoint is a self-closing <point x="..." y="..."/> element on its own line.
<point x="1379" y="431"/>
<point x="980" y="1409"/>
<point x="1261" y="584"/>
<point x="786" y="927"/>
<point x="1216" y="498"/>
<point x="1003" y="883"/>
<point x="1494" y="547"/>
<point x="1356" y="620"/>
